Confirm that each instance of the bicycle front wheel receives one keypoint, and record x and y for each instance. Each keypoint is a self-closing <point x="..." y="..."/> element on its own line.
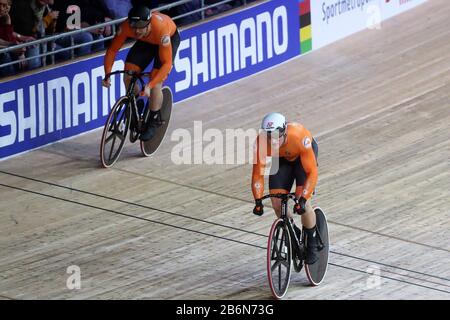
<point x="115" y="132"/>
<point x="279" y="259"/>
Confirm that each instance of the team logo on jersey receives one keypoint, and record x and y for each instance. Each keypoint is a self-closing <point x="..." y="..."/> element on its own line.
<point x="257" y="185"/>
<point x="307" y="142"/>
<point x="165" y="40"/>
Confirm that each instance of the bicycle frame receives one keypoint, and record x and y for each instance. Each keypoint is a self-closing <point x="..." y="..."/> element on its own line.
<point x="298" y="243"/>
<point x="279" y="281"/>
<point x="131" y="119"/>
<point x="135" y="77"/>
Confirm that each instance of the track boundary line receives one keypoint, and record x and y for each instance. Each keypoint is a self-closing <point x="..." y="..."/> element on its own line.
<point x="195" y="231"/>
<point x="217" y="224"/>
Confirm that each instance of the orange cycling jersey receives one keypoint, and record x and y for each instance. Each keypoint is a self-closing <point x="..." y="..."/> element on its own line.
<point x="162" y="28"/>
<point x="298" y="144"/>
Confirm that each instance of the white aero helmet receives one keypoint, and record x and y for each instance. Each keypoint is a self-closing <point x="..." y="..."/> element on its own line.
<point x="274" y="122"/>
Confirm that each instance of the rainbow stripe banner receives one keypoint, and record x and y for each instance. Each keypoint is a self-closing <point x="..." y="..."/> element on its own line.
<point x="304" y="7"/>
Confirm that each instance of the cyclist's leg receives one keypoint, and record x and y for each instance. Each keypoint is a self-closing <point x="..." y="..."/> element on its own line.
<point x="127" y="78"/>
<point x="154" y="116"/>
<point x="281" y="182"/>
<point x="139" y="57"/>
<point x="309" y="217"/>
<point x="156" y="96"/>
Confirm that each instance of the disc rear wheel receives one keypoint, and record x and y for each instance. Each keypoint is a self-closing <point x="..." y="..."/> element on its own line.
<point x="316" y="272"/>
<point x="148" y="148"/>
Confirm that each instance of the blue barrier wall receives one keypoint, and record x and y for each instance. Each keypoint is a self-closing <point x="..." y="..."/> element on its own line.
<point x="228" y="49"/>
<point x="68" y="100"/>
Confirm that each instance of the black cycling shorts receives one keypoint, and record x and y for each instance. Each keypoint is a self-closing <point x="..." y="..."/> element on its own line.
<point x="143" y="53"/>
<point x="289" y="171"/>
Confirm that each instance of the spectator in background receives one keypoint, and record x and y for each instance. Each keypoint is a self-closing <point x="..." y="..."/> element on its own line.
<point x="220" y="8"/>
<point x="118" y="8"/>
<point x="91" y="13"/>
<point x="8" y="37"/>
<point x="5" y="34"/>
<point x="174" y="11"/>
<point x="148" y="3"/>
<point x="94" y="12"/>
<point x="50" y="18"/>
<point x="5" y="58"/>
<point x="27" y="17"/>
<point x="184" y="8"/>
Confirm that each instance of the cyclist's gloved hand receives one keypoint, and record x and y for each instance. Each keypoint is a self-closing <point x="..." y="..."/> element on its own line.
<point x="300" y="207"/>
<point x="106" y="82"/>
<point x="146" y="91"/>
<point x="259" y="207"/>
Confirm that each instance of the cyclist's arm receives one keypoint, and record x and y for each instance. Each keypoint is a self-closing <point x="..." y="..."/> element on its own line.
<point x="165" y="55"/>
<point x="308" y="160"/>
<point x="4" y="43"/>
<point x="115" y="46"/>
<point x="258" y="172"/>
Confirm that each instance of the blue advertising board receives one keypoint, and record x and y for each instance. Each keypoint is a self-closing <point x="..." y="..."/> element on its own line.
<point x="65" y="101"/>
<point x="225" y="50"/>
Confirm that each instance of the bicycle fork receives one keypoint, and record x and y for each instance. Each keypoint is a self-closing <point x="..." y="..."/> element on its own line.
<point x="297" y="243"/>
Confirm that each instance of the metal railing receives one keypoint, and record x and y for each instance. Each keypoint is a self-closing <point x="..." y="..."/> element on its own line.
<point x="43" y="42"/>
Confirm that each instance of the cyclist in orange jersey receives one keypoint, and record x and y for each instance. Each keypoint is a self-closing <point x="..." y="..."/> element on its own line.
<point x="157" y="39"/>
<point x="294" y="157"/>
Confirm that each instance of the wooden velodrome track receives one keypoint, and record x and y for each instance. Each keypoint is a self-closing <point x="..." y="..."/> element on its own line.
<point x="378" y="103"/>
